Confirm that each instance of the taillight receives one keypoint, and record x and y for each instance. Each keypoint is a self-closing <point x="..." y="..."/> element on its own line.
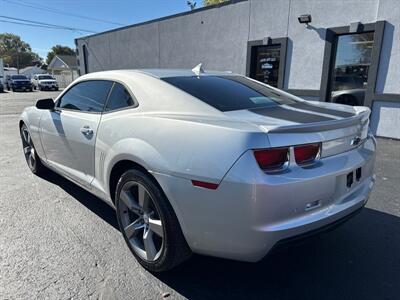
<point x="272" y="159"/>
<point x="305" y="154"/>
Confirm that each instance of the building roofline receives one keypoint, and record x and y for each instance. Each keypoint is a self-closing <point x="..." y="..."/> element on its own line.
<point x="163" y="18"/>
<point x="62" y="61"/>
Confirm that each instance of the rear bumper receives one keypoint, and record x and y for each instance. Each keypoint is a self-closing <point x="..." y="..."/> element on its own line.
<point x="251" y="211"/>
<point x="323" y="229"/>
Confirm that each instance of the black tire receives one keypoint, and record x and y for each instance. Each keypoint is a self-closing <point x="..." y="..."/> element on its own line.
<point x="174" y="249"/>
<point x="37" y="167"/>
<point x="13" y="89"/>
<point x="40" y="88"/>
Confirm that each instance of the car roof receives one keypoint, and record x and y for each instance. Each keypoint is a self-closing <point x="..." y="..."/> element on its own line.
<point x="157" y="73"/>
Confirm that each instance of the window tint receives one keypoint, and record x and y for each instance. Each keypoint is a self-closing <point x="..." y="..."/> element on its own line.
<point x="41" y="77"/>
<point x="229" y="92"/>
<point x="19" y="77"/>
<point x="119" y="98"/>
<point x="86" y="96"/>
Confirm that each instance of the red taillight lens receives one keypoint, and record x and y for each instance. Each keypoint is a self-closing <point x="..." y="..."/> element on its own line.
<point x="306" y="153"/>
<point x="272" y="159"/>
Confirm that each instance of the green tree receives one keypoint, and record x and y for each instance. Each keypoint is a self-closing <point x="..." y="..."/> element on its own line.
<point x="212" y="2"/>
<point x="59" y="50"/>
<point x="17" y="53"/>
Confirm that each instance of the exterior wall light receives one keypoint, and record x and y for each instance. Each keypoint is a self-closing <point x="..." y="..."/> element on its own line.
<point x="304" y="19"/>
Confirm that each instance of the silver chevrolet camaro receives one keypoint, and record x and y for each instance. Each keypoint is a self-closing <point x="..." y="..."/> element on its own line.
<point x="206" y="162"/>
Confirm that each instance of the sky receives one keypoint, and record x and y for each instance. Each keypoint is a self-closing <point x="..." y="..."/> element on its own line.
<point x="124" y="12"/>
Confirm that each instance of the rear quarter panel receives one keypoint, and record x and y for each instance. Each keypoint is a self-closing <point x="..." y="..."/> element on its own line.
<point x="190" y="149"/>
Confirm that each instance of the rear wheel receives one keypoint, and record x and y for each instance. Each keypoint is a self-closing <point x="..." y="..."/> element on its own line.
<point x="148" y="223"/>
<point x="31" y="157"/>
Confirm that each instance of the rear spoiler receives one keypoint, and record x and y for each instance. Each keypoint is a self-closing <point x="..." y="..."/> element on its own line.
<point x="361" y="119"/>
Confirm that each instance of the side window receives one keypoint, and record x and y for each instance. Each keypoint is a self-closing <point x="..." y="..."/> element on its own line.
<point x="119" y="98"/>
<point x="86" y="96"/>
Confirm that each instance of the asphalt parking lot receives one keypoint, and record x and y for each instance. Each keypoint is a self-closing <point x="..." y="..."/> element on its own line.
<point x="59" y="242"/>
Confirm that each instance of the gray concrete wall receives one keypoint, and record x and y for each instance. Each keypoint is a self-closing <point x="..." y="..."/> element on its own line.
<point x="388" y="80"/>
<point x="308" y="45"/>
<point x="215" y="37"/>
<point x="385" y="119"/>
<point x="218" y="38"/>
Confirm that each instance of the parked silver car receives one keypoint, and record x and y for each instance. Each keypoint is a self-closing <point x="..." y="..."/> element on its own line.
<point x="207" y="162"/>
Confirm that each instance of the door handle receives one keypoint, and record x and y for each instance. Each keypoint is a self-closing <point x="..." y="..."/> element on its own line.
<point x="86" y="130"/>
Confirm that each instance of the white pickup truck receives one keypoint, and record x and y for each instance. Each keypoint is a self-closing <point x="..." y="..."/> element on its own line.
<point x="44" y="82"/>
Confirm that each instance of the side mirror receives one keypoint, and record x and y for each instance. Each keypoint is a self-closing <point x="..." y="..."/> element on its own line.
<point x="45" y="104"/>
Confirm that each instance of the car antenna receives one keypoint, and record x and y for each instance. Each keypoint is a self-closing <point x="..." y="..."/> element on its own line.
<point x="198" y="69"/>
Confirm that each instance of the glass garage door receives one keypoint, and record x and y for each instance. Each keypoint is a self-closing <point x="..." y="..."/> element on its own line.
<point x="350" y="71"/>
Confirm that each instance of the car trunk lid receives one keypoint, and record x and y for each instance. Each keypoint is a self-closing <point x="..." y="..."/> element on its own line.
<point x="338" y="127"/>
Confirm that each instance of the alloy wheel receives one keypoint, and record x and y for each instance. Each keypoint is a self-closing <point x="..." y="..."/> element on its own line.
<point x="29" y="149"/>
<point x="141" y="221"/>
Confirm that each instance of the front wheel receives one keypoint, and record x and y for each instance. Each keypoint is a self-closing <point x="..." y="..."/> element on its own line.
<point x="31" y="157"/>
<point x="148" y="223"/>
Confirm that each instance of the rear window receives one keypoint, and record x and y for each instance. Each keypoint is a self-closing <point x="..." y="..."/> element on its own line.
<point x="229" y="92"/>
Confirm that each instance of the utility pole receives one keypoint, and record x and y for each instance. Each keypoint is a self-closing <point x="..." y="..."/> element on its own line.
<point x="17" y="60"/>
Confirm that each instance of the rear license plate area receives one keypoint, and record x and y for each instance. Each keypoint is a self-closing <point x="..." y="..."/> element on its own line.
<point x="353" y="176"/>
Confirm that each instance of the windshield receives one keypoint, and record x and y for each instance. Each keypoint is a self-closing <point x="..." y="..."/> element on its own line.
<point x="18" y="77"/>
<point x="41" y="77"/>
<point x="228" y="93"/>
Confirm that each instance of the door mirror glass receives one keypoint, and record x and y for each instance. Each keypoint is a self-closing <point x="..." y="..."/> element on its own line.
<point x="45" y="104"/>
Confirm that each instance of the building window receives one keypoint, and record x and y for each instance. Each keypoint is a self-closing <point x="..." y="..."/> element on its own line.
<point x="265" y="64"/>
<point x="351" y="63"/>
<point x="350" y="71"/>
<point x="266" y="61"/>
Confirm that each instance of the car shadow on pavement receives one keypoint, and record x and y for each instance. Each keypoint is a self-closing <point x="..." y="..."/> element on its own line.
<point x="358" y="260"/>
<point x="96" y="205"/>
